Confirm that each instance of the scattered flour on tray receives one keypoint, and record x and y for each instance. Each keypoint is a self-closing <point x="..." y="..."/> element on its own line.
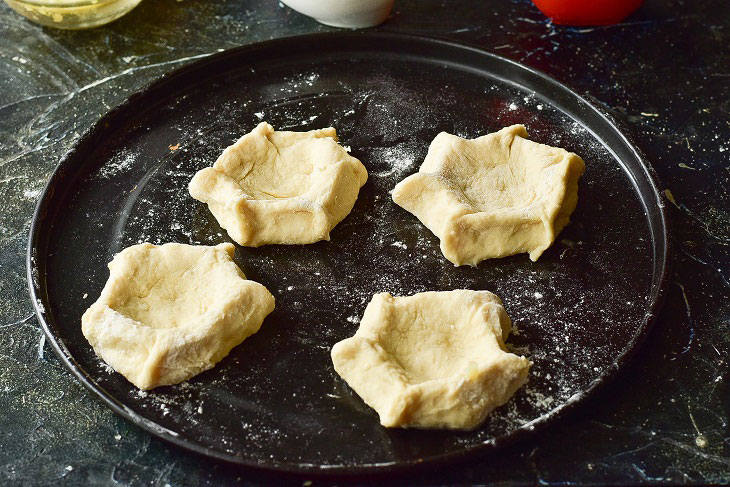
<point x="118" y="164"/>
<point x="388" y="248"/>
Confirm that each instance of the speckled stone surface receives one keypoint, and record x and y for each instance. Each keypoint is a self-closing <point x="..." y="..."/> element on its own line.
<point x="664" y="73"/>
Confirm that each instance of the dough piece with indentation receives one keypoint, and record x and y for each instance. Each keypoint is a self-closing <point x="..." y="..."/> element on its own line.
<point x="432" y="360"/>
<point x="493" y="196"/>
<point x="169" y="312"/>
<point x="274" y="187"/>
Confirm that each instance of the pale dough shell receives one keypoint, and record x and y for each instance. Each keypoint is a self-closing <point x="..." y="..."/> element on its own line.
<point x="432" y="360"/>
<point x="274" y="187"/>
<point x="170" y="312"/>
<point x="493" y="196"/>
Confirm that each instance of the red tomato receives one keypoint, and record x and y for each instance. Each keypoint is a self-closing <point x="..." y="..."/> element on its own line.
<point x="587" y="12"/>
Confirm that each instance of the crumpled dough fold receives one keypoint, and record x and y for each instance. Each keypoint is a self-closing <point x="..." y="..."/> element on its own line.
<point x="274" y="187"/>
<point x="493" y="196"/>
<point x="169" y="312"/>
<point x="432" y="360"/>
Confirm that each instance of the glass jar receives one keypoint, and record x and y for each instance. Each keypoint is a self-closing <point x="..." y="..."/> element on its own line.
<point x="72" y="14"/>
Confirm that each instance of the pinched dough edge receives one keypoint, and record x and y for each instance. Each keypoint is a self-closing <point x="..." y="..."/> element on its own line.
<point x="329" y="177"/>
<point x="471" y="231"/>
<point x="150" y="354"/>
<point x="412" y="384"/>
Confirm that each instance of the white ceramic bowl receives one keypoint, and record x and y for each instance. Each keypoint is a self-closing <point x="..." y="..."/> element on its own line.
<point x="354" y="14"/>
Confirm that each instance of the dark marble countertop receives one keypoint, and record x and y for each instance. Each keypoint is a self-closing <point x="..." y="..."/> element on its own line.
<point x="664" y="73"/>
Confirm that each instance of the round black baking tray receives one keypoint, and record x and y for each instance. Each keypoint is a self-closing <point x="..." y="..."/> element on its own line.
<point x="275" y="402"/>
